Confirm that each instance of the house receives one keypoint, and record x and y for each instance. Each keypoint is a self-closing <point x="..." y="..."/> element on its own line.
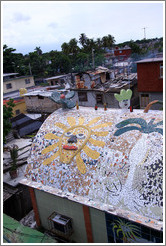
<point x="98" y="87"/>
<point x="38" y="101"/>
<point x="94" y="177"/>
<point x="13" y="83"/>
<point x="122" y="53"/>
<point x="57" y="80"/>
<point x="20" y="106"/>
<point x="150" y="81"/>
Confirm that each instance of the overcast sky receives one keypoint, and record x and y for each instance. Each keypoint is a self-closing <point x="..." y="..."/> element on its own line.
<point x="48" y="24"/>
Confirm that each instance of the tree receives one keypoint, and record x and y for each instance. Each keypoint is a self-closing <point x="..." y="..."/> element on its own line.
<point x="8" y="60"/>
<point x="134" y="47"/>
<point x="37" y="61"/>
<point x="7" y="115"/>
<point x="82" y="39"/>
<point x="73" y="47"/>
<point x="60" y="63"/>
<point x="108" y="41"/>
<point x="65" y="48"/>
<point x="39" y="51"/>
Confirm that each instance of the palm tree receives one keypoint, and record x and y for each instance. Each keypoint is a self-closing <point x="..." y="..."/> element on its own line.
<point x="39" y="51"/>
<point x="90" y="44"/>
<point x="65" y="48"/>
<point x="73" y="47"/>
<point x="82" y="39"/>
<point x="139" y="150"/>
<point x="111" y="41"/>
<point x="108" y="41"/>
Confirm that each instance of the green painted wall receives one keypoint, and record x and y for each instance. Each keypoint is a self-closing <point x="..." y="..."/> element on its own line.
<point x="98" y="223"/>
<point x="48" y="203"/>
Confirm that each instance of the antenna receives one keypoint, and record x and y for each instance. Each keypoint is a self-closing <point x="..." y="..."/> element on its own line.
<point x="144" y="32"/>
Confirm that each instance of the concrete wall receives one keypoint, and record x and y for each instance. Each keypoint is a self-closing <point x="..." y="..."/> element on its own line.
<point x="18" y="205"/>
<point x="35" y="104"/>
<point x="17" y="83"/>
<point x="91" y="100"/>
<point x="98" y="223"/>
<point x="153" y="96"/>
<point x="107" y="97"/>
<point x="19" y="106"/>
<point x="48" y="203"/>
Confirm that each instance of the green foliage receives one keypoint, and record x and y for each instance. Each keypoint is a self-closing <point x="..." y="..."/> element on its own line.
<point x="14" y="156"/>
<point x="76" y="56"/>
<point x="8" y="59"/>
<point x="7" y="115"/>
<point x="134" y="47"/>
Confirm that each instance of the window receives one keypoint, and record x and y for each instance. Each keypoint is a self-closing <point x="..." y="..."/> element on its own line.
<point x="17" y="111"/>
<point x="27" y="81"/>
<point x="60" y="224"/>
<point x="40" y="97"/>
<point x="8" y="86"/>
<point x="82" y="96"/>
<point x="99" y="99"/>
<point x="144" y="100"/>
<point x="161" y="70"/>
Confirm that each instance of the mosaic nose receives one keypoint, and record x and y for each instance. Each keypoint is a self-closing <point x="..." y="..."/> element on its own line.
<point x="72" y="139"/>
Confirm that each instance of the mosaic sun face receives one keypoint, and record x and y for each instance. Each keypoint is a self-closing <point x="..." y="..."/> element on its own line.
<point x="72" y="140"/>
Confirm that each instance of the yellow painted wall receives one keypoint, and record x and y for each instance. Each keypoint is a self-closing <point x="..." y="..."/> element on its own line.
<point x="21" y="106"/>
<point x="18" y="83"/>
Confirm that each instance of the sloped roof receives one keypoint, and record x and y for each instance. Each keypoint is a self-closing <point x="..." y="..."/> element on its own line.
<point x="25" y="125"/>
<point x="157" y="59"/>
<point x="115" y="165"/>
<point x="16" y="233"/>
<point x="9" y="74"/>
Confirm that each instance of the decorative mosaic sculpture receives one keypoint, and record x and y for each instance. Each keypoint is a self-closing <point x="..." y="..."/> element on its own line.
<point x="73" y="139"/>
<point x="124" y="98"/>
<point x="140" y="151"/>
<point x="63" y="99"/>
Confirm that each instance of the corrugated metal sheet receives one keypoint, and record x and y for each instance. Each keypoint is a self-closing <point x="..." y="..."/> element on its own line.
<point x="14" y="232"/>
<point x="34" y="126"/>
<point x="158" y="59"/>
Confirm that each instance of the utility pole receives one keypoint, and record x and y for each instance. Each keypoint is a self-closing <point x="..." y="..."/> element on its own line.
<point x="144" y="32"/>
<point x="30" y="69"/>
<point x="93" y="61"/>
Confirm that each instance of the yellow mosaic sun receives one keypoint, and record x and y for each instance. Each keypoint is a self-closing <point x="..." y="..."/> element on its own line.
<point x="73" y="139"/>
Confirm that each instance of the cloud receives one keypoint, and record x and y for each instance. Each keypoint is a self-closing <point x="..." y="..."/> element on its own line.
<point x="18" y="17"/>
<point x="53" y="25"/>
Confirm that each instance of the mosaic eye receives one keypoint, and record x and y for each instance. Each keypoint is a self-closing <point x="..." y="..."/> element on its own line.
<point x="80" y="136"/>
<point x="68" y="134"/>
<point x="59" y="133"/>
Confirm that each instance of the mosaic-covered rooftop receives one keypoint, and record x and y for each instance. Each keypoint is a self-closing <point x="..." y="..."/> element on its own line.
<point x="112" y="157"/>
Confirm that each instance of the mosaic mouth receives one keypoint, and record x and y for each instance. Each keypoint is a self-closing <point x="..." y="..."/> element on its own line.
<point x="70" y="147"/>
